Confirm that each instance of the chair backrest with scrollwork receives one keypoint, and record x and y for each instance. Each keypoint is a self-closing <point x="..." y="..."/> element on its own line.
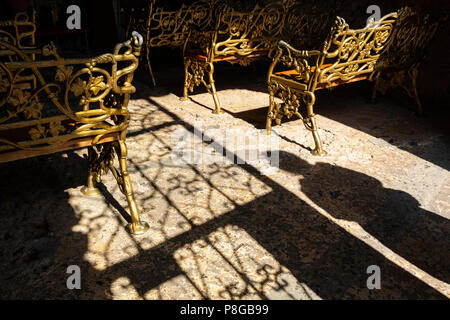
<point x="19" y="32"/>
<point x="73" y="98"/>
<point x="172" y="27"/>
<point x="301" y="23"/>
<point x="349" y="53"/>
<point x="245" y="32"/>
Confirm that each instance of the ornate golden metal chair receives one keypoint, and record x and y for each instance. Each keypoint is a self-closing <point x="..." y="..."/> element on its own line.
<point x="238" y="37"/>
<point x="244" y="36"/>
<point x="347" y="55"/>
<point x="19" y="32"/>
<point x="76" y="103"/>
<point x="399" y="65"/>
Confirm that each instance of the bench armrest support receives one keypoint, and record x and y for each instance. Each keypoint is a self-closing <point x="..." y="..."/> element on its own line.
<point x="301" y="61"/>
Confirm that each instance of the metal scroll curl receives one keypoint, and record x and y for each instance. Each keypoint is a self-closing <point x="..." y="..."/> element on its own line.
<point x="73" y="98"/>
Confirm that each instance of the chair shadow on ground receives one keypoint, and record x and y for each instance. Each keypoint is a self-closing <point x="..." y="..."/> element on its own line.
<point x="392" y="216"/>
<point x="36" y="216"/>
<point x="317" y="252"/>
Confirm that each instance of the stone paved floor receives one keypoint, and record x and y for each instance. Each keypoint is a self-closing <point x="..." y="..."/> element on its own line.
<point x="227" y="231"/>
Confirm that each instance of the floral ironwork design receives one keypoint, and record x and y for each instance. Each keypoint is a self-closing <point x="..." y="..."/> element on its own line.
<point x="74" y="101"/>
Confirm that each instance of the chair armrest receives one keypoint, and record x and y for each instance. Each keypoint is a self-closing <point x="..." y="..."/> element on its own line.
<point x="298" y="53"/>
<point x="300" y="60"/>
<point x="72" y="98"/>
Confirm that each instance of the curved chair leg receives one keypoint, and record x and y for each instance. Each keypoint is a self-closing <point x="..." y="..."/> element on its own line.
<point x="311" y="124"/>
<point x="269" y="112"/>
<point x="318" y="151"/>
<point x="102" y="161"/>
<point x="187" y="80"/>
<point x="212" y="89"/>
<point x="136" y="226"/>
<point x="93" y="174"/>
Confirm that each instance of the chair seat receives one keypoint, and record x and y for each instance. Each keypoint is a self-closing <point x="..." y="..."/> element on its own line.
<point x="293" y="75"/>
<point x="230" y="58"/>
<point x="17" y="154"/>
<point x="21" y="134"/>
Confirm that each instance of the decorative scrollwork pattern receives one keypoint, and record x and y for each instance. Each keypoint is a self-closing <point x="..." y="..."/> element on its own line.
<point x="72" y="98"/>
<point x="344" y="55"/>
<point x="353" y="52"/>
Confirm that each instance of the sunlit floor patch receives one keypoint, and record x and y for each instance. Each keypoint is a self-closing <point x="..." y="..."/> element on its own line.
<point x="230" y="264"/>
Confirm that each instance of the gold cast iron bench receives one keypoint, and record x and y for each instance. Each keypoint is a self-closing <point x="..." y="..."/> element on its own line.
<point x="211" y="31"/>
<point x="244" y="36"/>
<point x="75" y="103"/>
<point x="347" y="55"/>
